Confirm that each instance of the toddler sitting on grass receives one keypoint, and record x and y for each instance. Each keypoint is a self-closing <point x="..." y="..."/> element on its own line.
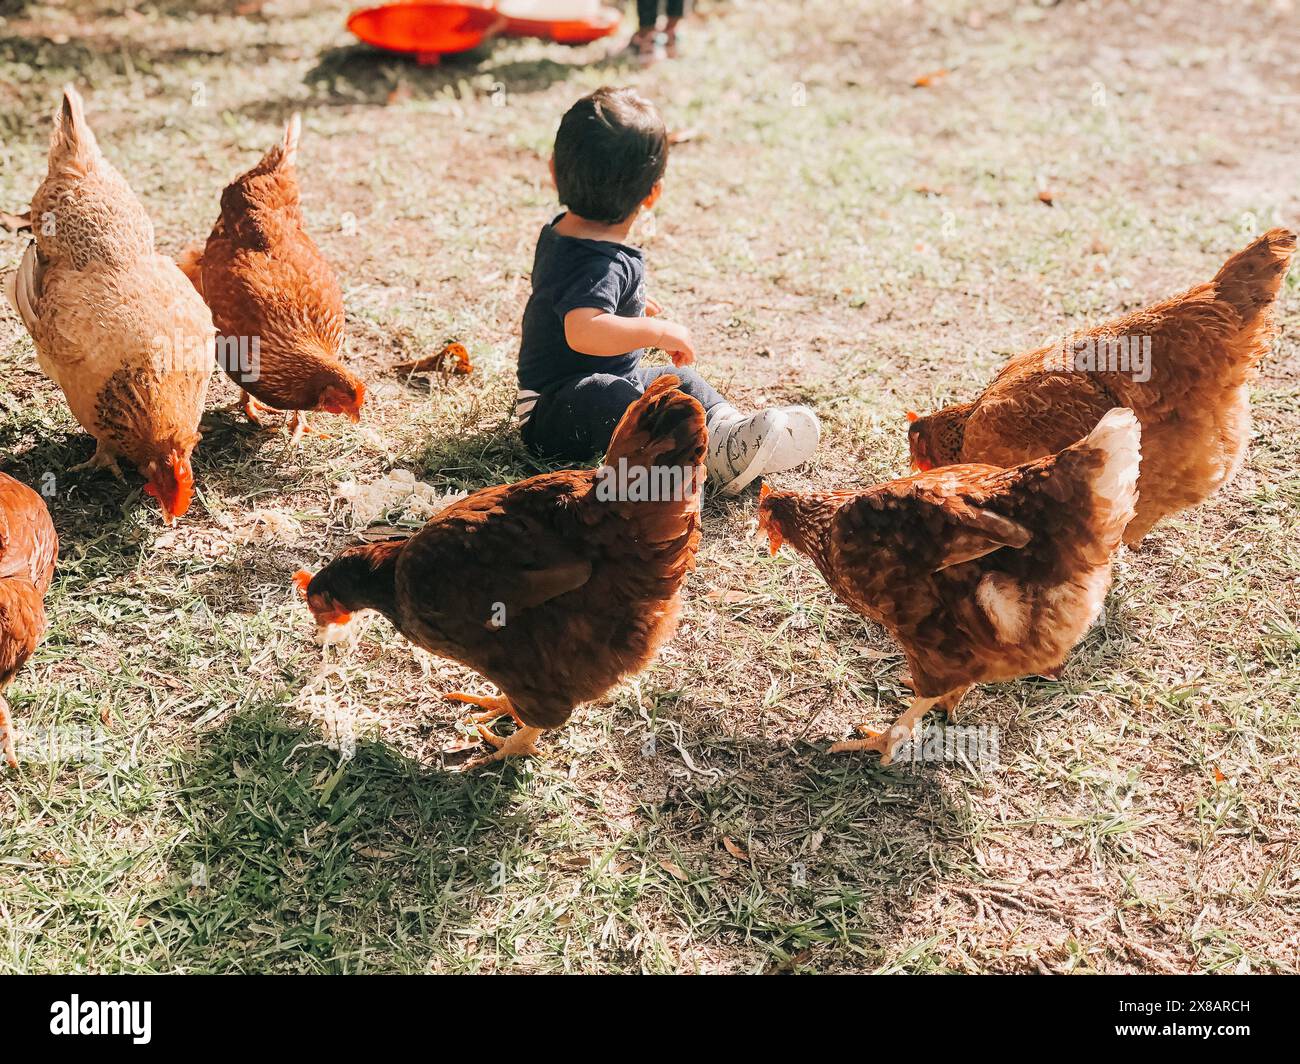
<point x="589" y="321"/>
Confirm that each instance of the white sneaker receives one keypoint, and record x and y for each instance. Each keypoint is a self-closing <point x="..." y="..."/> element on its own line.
<point x="799" y="440"/>
<point x="741" y="448"/>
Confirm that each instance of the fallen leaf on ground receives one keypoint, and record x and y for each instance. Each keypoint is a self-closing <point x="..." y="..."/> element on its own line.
<point x="735" y="851"/>
<point x="674" y="870"/>
<point x="461" y="743"/>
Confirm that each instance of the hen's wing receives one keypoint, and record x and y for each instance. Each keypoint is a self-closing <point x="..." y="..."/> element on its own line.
<point x="922" y="524"/>
<point x="131" y="351"/>
<point x="24" y="288"/>
<point x="489" y="559"/>
<point x="1030" y="411"/>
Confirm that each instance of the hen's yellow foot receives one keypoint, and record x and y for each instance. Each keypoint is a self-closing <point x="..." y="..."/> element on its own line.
<point x="523" y="743"/>
<point x="882" y="743"/>
<point x="885" y="743"/>
<point x="494" y="706"/>
<point x="250" y="407"/>
<point x="101" y="459"/>
<point x="298" y="428"/>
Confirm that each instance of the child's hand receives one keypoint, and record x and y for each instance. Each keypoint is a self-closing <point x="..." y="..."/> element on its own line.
<point x="652" y="307"/>
<point x="676" y="340"/>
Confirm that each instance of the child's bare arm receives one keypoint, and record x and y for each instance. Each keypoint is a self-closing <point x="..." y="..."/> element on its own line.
<point x="597" y="332"/>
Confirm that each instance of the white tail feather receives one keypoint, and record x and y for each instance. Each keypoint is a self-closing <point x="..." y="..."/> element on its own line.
<point x="1119" y="435"/>
<point x="290" y="145"/>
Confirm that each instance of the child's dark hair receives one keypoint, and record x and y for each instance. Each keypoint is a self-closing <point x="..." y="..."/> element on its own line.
<point x="610" y="151"/>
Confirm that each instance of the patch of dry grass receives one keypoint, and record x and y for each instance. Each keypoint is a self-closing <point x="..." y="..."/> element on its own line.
<point x="834" y="236"/>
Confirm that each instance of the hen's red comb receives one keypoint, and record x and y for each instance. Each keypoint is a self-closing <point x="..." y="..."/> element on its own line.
<point x="912" y="415"/>
<point x="301" y="579"/>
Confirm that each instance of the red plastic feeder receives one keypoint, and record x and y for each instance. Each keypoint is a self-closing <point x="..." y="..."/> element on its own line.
<point x="427" y="31"/>
<point x="561" y="30"/>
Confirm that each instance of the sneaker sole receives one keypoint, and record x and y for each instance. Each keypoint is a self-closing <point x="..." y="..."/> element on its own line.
<point x="810" y="437"/>
<point x="754" y="470"/>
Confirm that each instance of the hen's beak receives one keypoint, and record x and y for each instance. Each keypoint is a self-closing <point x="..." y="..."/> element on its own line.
<point x="173" y="488"/>
<point x="774" y="537"/>
<point x="323" y="617"/>
<point x="358" y="397"/>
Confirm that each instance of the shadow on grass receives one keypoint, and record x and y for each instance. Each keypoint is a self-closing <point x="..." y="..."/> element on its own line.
<point x="92" y="510"/>
<point x="849" y="852"/>
<point x="481" y="458"/>
<point x="88" y="504"/>
<point x="294" y="860"/>
<point x="361" y="74"/>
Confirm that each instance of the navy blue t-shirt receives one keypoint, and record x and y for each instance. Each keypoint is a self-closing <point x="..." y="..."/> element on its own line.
<point x="569" y="273"/>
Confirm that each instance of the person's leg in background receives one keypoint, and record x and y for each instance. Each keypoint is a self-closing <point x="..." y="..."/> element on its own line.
<point x="676" y="12"/>
<point x="644" y="43"/>
<point x="575" y="421"/>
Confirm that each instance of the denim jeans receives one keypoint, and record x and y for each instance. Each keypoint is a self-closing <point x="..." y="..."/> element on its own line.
<point x="573" y="421"/>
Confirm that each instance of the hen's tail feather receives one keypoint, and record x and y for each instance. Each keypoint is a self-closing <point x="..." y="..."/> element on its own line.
<point x="1118" y="438"/>
<point x="283" y="155"/>
<point x="289" y="145"/>
<point x="1249" y="281"/>
<point x="664" y="428"/>
<point x="71" y="137"/>
<point x="659" y="445"/>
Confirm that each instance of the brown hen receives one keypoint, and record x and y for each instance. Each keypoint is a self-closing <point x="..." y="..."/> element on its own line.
<point x="554" y="587"/>
<point x="275" y="300"/>
<point x="982" y="574"/>
<point x="29" y="548"/>
<point x="1200" y="350"/>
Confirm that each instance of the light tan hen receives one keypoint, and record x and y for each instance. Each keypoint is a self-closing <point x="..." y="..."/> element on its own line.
<point x="116" y="325"/>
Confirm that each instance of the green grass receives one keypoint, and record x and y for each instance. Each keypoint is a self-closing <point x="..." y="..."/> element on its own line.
<point x="223" y="829"/>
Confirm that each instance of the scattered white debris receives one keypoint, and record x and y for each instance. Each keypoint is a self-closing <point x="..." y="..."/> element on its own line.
<point x="261" y="526"/>
<point x="256" y="526"/>
<point x="375" y="439"/>
<point x="425" y="660"/>
<point x="398" y="492"/>
<point x="324" y="700"/>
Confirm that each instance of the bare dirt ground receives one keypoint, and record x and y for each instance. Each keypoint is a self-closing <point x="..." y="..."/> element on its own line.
<point x="834" y="234"/>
